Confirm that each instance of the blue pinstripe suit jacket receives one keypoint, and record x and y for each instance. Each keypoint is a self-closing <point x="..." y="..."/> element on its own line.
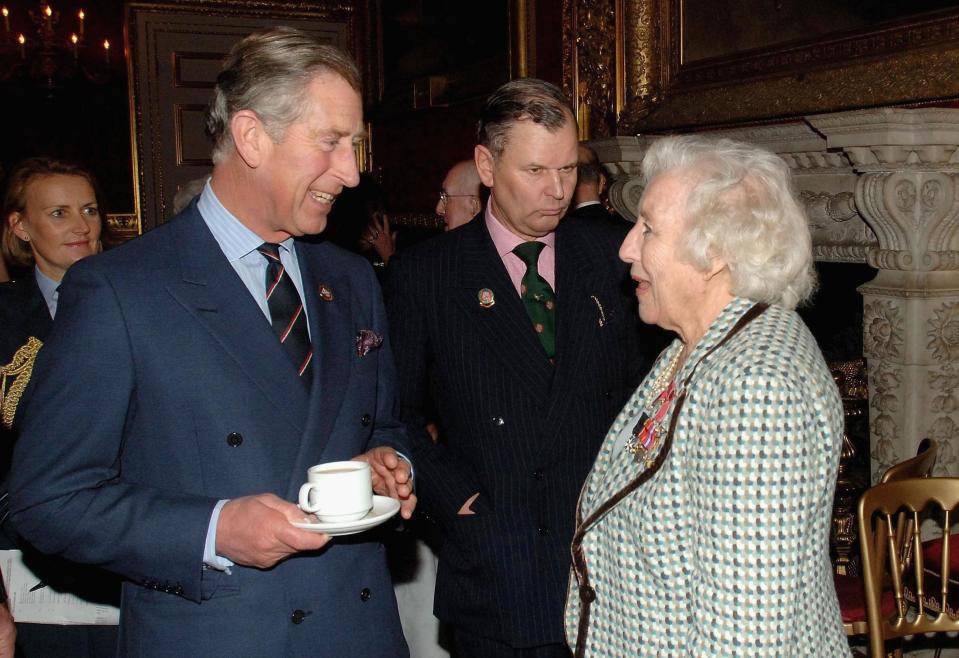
<point x="515" y="428"/>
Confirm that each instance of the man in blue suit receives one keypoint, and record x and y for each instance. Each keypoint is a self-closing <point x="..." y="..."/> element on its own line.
<point x="195" y="374"/>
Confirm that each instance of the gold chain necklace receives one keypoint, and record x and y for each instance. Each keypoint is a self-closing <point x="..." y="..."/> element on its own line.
<point x="661" y="383"/>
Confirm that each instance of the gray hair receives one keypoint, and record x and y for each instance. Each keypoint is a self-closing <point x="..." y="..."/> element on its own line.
<point x="525" y="99"/>
<point x="741" y="209"/>
<point x="267" y="73"/>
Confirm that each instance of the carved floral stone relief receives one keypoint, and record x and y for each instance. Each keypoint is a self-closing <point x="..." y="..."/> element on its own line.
<point x="883" y="329"/>
<point x="944" y="384"/>
<point x="885" y="380"/>
<point x="943" y="430"/>
<point x="944" y="332"/>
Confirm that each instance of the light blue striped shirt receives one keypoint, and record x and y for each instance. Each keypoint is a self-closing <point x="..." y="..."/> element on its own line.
<point x="239" y="245"/>
<point x="50" y="290"/>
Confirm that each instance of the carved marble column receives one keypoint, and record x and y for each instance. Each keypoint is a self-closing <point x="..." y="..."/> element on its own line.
<point x="880" y="186"/>
<point x="907" y="190"/>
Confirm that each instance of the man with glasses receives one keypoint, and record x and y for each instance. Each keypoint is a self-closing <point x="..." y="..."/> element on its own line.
<point x="460" y="197"/>
<point x="516" y="334"/>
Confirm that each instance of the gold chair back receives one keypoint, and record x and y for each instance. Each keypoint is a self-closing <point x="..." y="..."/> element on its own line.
<point x="893" y="559"/>
<point x="919" y="466"/>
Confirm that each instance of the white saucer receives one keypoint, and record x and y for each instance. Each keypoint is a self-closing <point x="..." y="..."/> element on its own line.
<point x="384" y="507"/>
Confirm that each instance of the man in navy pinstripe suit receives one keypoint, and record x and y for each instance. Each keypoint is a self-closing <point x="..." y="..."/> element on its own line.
<point x="522" y="410"/>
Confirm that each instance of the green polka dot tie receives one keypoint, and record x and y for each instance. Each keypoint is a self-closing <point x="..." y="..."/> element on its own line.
<point x="538" y="296"/>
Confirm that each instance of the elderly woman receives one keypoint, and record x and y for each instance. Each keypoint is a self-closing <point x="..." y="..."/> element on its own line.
<point x="51" y="220"/>
<point x="702" y="529"/>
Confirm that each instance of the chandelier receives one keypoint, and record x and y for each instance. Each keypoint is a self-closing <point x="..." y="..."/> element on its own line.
<point x="51" y="50"/>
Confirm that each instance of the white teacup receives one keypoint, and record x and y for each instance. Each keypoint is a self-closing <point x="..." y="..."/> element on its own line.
<point x="338" y="491"/>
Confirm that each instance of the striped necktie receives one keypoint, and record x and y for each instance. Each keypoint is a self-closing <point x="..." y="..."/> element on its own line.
<point x="287" y="312"/>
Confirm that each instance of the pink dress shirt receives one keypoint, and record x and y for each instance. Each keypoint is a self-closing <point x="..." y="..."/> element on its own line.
<point x="505" y="241"/>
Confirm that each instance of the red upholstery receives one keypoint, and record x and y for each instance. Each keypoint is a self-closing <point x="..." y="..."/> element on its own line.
<point x="932" y="554"/>
<point x="852" y="599"/>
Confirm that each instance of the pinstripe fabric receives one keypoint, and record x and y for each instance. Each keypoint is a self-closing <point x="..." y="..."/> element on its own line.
<point x="518" y="430"/>
<point x="724" y="552"/>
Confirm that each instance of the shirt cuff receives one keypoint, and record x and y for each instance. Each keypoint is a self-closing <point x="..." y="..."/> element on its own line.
<point x="210" y="558"/>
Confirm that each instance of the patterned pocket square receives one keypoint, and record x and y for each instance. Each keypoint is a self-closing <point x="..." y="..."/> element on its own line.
<point x="366" y="340"/>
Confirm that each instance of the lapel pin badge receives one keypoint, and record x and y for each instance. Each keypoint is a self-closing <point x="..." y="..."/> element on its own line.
<point x="486" y="298"/>
<point x="325" y="292"/>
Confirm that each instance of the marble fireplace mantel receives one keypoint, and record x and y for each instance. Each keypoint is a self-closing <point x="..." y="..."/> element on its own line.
<point x="881" y="187"/>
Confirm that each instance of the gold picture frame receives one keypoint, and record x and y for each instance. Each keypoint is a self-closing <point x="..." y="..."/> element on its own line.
<point x="912" y="60"/>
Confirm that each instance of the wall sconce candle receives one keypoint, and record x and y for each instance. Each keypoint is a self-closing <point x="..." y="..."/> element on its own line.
<point x="57" y="50"/>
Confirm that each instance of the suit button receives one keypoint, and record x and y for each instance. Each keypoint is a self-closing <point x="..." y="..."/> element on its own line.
<point x="538" y="474"/>
<point x="365" y="594"/>
<point x="365" y="420"/>
<point x="234" y="439"/>
<point x="298" y="616"/>
<point x="608" y="395"/>
<point x="498" y="421"/>
<point x="542" y="530"/>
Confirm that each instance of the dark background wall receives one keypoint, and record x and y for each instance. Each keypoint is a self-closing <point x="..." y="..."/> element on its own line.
<point x="467" y="48"/>
<point x="74" y="118"/>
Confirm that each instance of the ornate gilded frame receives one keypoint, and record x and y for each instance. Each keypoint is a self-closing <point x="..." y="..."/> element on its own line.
<point x="911" y="61"/>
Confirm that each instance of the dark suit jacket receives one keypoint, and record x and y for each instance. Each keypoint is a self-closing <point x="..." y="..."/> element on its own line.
<point x="518" y="430"/>
<point x="196" y="401"/>
<point x="24" y="313"/>
<point x="598" y="212"/>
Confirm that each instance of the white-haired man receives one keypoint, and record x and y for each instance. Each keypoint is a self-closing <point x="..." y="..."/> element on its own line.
<point x="460" y="198"/>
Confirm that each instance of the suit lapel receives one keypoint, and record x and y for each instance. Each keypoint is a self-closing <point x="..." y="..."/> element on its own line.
<point x="331" y="327"/>
<point x="505" y="325"/>
<point x="578" y="317"/>
<point x="213" y="293"/>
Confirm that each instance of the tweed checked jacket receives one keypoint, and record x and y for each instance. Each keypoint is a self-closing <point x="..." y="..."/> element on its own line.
<point x="724" y="552"/>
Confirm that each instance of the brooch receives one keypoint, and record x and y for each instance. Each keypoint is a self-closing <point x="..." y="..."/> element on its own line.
<point x="486" y="298"/>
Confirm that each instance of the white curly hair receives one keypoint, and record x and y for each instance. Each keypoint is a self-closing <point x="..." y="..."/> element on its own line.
<point x="741" y="209"/>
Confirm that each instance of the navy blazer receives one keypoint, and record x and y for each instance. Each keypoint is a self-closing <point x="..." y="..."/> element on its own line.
<point x="24" y="314"/>
<point x="597" y="212"/>
<point x="196" y="401"/>
<point x="517" y="429"/>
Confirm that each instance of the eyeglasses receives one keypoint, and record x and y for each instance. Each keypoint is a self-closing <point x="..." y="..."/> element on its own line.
<point x="444" y="197"/>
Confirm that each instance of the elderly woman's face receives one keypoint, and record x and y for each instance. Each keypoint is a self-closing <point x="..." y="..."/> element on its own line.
<point x="60" y="221"/>
<point x="669" y="290"/>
